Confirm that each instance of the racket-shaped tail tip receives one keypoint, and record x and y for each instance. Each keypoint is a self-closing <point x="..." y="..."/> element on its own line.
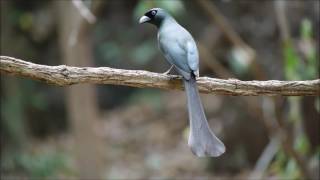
<point x="203" y="149"/>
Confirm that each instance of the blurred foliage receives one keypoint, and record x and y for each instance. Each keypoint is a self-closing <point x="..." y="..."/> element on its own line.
<point x="292" y="62"/>
<point x="150" y="97"/>
<point x="302" y="145"/>
<point x="175" y="7"/>
<point x="36" y="165"/>
<point x="295" y="67"/>
<point x="118" y="41"/>
<point x="143" y="53"/>
<point x="239" y="61"/>
<point x="285" y="167"/>
<point x="13" y="118"/>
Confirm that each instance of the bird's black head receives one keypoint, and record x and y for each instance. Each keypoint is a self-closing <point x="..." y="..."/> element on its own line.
<point x="154" y="16"/>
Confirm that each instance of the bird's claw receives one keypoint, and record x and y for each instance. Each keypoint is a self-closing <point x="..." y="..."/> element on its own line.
<point x="168" y="71"/>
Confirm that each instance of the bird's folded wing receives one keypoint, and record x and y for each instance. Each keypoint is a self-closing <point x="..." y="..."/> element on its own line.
<point x="192" y="55"/>
<point x="175" y="54"/>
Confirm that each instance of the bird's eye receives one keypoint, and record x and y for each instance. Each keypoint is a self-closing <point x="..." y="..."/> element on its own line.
<point x="153" y="13"/>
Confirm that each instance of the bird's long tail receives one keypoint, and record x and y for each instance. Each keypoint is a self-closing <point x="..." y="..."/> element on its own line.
<point x="202" y="141"/>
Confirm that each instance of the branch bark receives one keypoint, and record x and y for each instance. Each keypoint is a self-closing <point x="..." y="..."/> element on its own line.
<point x="63" y="75"/>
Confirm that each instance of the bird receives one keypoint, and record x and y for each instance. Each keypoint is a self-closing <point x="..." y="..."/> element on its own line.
<point x="180" y="50"/>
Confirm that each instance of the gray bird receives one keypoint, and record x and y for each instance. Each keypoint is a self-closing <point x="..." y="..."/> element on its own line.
<point x="181" y="52"/>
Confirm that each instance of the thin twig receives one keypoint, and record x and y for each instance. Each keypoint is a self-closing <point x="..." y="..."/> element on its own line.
<point x="84" y="11"/>
<point x="213" y="63"/>
<point x="220" y="20"/>
<point x="265" y="159"/>
<point x="236" y="40"/>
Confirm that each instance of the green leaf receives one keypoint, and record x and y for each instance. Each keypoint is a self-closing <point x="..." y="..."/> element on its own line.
<point x="302" y="144"/>
<point x="26" y="21"/>
<point x="292" y="62"/>
<point x="292" y="170"/>
<point x="306" y="29"/>
<point x="41" y="165"/>
<point x="310" y="71"/>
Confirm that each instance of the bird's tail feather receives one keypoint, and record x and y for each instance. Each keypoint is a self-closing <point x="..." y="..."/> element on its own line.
<point x="202" y="141"/>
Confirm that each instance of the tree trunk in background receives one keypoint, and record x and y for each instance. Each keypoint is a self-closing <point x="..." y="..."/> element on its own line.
<point x="13" y="119"/>
<point x="311" y="120"/>
<point x="81" y="99"/>
<point x="13" y="129"/>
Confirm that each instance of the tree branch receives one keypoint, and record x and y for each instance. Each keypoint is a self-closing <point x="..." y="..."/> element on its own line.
<point x="67" y="75"/>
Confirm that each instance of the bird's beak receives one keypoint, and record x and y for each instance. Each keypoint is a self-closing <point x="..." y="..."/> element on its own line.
<point x="144" y="19"/>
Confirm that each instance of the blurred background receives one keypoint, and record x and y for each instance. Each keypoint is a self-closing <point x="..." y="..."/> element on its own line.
<point x="117" y="132"/>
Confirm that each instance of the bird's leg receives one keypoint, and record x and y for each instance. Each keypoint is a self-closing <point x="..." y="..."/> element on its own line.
<point x="168" y="71"/>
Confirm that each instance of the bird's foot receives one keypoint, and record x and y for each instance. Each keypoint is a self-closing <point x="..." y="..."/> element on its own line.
<point x="168" y="71"/>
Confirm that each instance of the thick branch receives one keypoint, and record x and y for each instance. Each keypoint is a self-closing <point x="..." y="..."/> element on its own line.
<point x="67" y="75"/>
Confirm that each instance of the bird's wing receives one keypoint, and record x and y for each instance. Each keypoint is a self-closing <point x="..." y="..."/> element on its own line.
<point x="187" y="43"/>
<point x="179" y="48"/>
<point x="193" y="56"/>
<point x="175" y="54"/>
